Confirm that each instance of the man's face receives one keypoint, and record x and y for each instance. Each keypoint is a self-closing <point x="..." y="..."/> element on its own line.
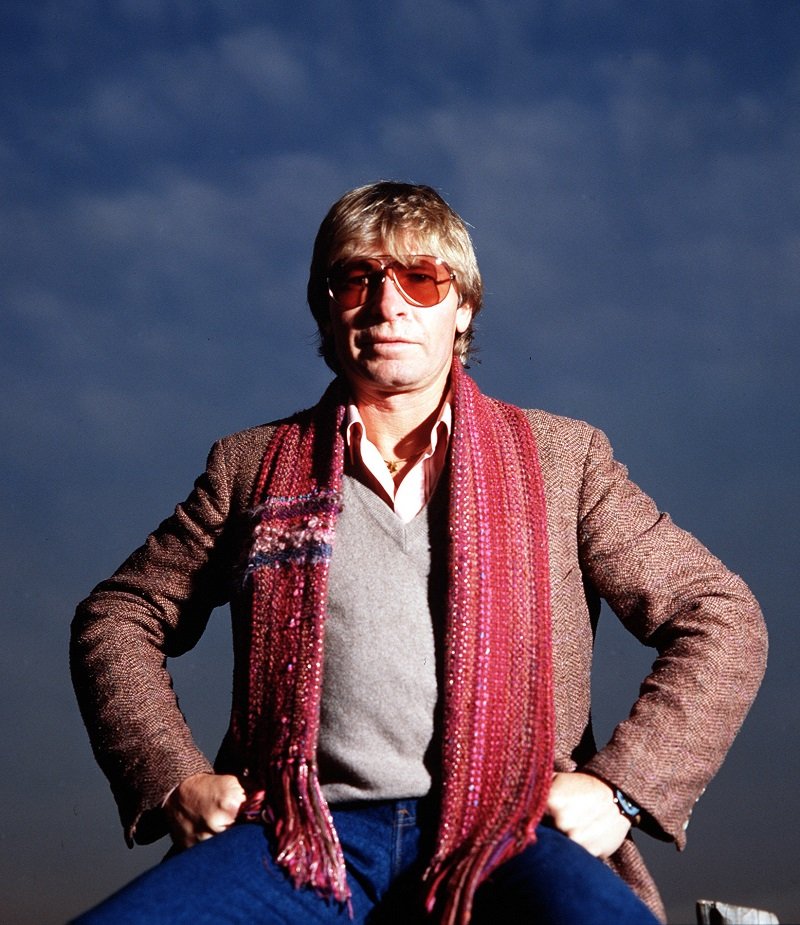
<point x="389" y="346"/>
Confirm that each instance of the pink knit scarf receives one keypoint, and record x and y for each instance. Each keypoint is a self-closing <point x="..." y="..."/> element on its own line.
<point x="497" y="739"/>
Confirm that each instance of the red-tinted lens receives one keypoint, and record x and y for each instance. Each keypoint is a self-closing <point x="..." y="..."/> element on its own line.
<point x="349" y="283"/>
<point x="423" y="281"/>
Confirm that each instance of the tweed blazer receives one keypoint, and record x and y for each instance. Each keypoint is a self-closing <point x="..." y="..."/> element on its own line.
<point x="607" y="540"/>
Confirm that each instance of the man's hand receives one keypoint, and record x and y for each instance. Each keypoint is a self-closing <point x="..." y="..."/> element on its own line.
<point x="583" y="808"/>
<point x="201" y="806"/>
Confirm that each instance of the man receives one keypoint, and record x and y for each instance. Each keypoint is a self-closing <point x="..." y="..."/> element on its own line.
<point x="414" y="572"/>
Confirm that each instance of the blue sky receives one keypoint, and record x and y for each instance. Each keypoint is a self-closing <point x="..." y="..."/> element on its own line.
<point x="630" y="174"/>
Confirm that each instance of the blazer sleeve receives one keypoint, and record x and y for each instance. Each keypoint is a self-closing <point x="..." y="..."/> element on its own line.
<point x="155" y="606"/>
<point x="706" y="626"/>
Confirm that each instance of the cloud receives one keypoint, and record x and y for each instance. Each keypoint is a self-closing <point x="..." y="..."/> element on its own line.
<point x="267" y="62"/>
<point x="127" y="309"/>
<point x="661" y="204"/>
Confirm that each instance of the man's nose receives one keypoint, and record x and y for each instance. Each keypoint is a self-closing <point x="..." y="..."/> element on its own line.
<point x="386" y="299"/>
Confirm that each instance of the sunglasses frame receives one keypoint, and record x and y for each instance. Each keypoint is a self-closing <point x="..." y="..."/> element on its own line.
<point x="386" y="266"/>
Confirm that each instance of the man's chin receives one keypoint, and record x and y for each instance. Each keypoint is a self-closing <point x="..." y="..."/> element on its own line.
<point x="387" y="375"/>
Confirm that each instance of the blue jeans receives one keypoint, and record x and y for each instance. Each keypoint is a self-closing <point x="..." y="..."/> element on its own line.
<point x="231" y="879"/>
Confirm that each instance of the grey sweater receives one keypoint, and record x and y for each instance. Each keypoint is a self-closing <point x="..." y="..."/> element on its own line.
<point x="379" y="682"/>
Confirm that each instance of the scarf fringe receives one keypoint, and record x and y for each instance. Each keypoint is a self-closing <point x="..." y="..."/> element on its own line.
<point x="458" y="879"/>
<point x="307" y="845"/>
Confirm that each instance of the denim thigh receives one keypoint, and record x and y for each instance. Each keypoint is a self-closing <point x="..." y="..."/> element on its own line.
<point x="232" y="879"/>
<point x="557" y="882"/>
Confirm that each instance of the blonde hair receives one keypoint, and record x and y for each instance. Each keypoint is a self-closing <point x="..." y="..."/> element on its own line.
<point x="396" y="218"/>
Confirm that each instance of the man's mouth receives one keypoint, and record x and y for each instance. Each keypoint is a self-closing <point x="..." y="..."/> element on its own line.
<point x="384" y="340"/>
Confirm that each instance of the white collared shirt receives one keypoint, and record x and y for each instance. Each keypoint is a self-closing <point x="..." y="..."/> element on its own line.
<point x="418" y="481"/>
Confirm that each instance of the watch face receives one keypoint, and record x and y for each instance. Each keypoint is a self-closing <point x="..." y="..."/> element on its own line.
<point x="630" y="809"/>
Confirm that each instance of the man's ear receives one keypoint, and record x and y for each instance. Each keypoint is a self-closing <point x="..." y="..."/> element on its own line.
<point x="463" y="317"/>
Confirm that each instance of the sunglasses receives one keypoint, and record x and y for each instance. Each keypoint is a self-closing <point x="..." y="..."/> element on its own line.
<point x="420" y="280"/>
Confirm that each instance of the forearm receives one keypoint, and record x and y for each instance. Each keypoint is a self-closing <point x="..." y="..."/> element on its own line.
<point x="155" y="606"/>
<point x="690" y="709"/>
<point x="707" y="628"/>
<point x="137" y="731"/>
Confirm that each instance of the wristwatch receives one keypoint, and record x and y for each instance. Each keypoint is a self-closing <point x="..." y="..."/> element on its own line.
<point x="628" y="809"/>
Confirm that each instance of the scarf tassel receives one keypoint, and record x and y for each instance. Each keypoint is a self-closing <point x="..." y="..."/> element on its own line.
<point x="307" y="845"/>
<point x="460" y="878"/>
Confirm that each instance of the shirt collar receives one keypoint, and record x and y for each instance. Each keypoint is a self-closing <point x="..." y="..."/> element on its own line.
<point x="355" y="430"/>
